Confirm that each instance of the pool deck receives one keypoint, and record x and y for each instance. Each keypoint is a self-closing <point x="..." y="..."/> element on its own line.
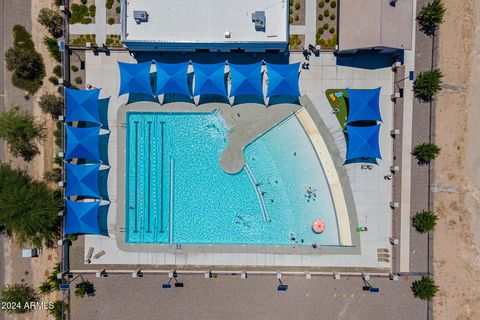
<point x="366" y="190"/>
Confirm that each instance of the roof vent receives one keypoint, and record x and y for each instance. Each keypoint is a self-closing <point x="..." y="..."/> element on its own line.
<point x="140" y="16"/>
<point x="227" y="34"/>
<point x="258" y="17"/>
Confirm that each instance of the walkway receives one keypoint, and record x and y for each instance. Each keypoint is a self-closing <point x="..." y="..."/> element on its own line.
<point x="310" y="27"/>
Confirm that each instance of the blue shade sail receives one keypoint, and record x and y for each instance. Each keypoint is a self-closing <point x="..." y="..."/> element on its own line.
<point x="82" y="105"/>
<point x="283" y="79"/>
<point x="209" y="79"/>
<point x="363" y="105"/>
<point x="82" y="180"/>
<point x="82" y="143"/>
<point x="172" y="78"/>
<point x="82" y="217"/>
<point x="246" y="79"/>
<point x="135" y="78"/>
<point x="363" y="142"/>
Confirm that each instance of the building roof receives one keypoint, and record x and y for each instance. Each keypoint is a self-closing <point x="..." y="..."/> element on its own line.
<point x="363" y="105"/>
<point x="205" y="21"/>
<point x="375" y="24"/>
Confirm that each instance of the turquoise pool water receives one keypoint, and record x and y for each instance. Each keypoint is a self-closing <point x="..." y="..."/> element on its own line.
<point x="178" y="193"/>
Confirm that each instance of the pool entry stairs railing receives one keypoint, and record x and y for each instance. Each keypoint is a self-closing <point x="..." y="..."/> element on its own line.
<point x="255" y="184"/>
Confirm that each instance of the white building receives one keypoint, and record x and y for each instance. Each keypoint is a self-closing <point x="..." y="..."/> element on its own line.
<point x="205" y="25"/>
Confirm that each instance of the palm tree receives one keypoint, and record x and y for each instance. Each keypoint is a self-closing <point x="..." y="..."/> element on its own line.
<point x="431" y="16"/>
<point x="84" y="288"/>
<point x="424" y="221"/>
<point x="424" y="289"/>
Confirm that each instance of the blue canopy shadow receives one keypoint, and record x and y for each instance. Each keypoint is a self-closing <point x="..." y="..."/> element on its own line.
<point x="248" y="98"/>
<point x="369" y="59"/>
<point x="103" y="112"/>
<point x="282" y="99"/>
<point x="103" y="184"/>
<point x="103" y="220"/>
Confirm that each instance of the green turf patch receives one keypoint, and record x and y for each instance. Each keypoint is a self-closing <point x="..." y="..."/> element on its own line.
<point x="339" y="103"/>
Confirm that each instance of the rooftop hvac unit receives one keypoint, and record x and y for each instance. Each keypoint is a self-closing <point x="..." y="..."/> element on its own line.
<point x="140" y="16"/>
<point x="258" y="17"/>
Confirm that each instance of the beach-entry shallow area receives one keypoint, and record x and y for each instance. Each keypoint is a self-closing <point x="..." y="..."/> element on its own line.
<point x="178" y="193"/>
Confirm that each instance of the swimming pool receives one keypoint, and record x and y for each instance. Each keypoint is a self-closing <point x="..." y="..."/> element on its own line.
<point x="178" y="193"/>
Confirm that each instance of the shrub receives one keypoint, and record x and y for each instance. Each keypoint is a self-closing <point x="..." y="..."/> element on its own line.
<point x="424" y="289"/>
<point x="326" y="12"/>
<point x="426" y="152"/>
<point x="57" y="70"/>
<point x="78" y="80"/>
<point x="424" y="221"/>
<point x="84" y="288"/>
<point x="333" y="4"/>
<point x="52" y="46"/>
<point x="321" y="4"/>
<point x="428" y="84"/>
<point x="58" y="2"/>
<point x="21" y="132"/>
<point x="52" y="104"/>
<point x="430" y="16"/>
<point x="74" y="68"/>
<point x="332" y="30"/>
<point x="51" y="20"/>
<point x="320" y="16"/>
<point x="332" y="16"/>
<point x="109" y="4"/>
<point x="79" y="14"/>
<point x="14" y="295"/>
<point x="290" y="2"/>
<point x="53" y="80"/>
<point x="295" y="41"/>
<point x="57" y="133"/>
<point x="92" y="10"/>
<point x="118" y="9"/>
<point x="290" y="11"/>
<point x="25" y="63"/>
<point x="290" y="19"/>
<point x="52" y="277"/>
<point x="297" y="6"/>
<point x="111" y="21"/>
<point x="325" y="26"/>
<point x="84" y="1"/>
<point x="297" y="17"/>
<point x="319" y="31"/>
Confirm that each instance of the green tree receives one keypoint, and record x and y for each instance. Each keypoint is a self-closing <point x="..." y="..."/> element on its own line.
<point x="28" y="209"/>
<point x="51" y="20"/>
<point x="52" y="104"/>
<point x="424" y="289"/>
<point x="21" y="132"/>
<point x="428" y="84"/>
<point x="424" y="221"/>
<point x="426" y="152"/>
<point x="24" y="61"/>
<point x="430" y="16"/>
<point x="17" y="296"/>
<point x="52" y="277"/>
<point x="84" y="288"/>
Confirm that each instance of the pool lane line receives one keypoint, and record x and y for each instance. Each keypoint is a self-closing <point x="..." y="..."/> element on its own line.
<point x="161" y="177"/>
<point x="170" y="237"/>
<point x="148" y="175"/>
<point x="135" y="229"/>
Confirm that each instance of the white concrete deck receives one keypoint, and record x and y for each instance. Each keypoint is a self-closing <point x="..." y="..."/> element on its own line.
<point x="371" y="191"/>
